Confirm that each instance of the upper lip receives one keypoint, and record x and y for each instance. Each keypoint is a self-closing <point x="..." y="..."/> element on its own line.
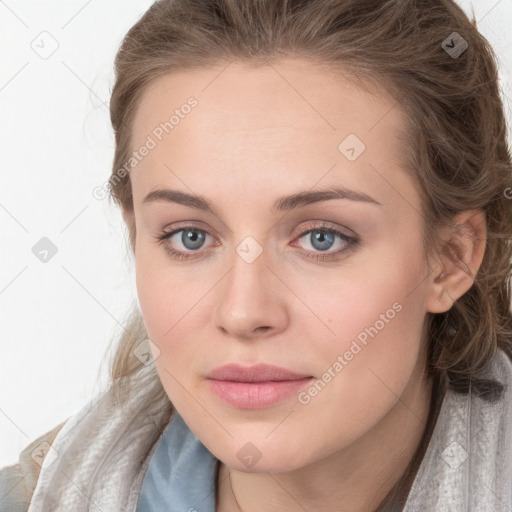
<point x="256" y="373"/>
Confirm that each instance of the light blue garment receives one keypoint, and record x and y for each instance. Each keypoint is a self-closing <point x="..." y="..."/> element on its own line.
<point x="182" y="473"/>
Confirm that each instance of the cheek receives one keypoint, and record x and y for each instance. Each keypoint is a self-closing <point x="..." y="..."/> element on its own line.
<point x="371" y="365"/>
<point x="377" y="320"/>
<point x="165" y="304"/>
<point x="152" y="294"/>
<point x="375" y="333"/>
<point x="173" y="305"/>
<point x="165" y="291"/>
<point x="379" y="296"/>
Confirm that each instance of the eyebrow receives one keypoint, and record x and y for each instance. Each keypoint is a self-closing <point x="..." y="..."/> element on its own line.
<point x="282" y="204"/>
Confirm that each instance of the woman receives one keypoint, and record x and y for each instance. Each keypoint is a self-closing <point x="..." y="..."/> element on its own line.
<point x="318" y="201"/>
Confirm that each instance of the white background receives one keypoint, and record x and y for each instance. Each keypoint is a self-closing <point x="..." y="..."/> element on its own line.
<point x="58" y="318"/>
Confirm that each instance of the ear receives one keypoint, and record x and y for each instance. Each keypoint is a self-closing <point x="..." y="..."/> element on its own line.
<point x="462" y="250"/>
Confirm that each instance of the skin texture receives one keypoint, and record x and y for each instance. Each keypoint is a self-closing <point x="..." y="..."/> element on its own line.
<point x="256" y="134"/>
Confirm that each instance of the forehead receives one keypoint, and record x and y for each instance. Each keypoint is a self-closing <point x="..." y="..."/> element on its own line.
<point x="288" y="123"/>
<point x="268" y="96"/>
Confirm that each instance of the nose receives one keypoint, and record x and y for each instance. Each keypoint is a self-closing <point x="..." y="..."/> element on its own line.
<point x="251" y="300"/>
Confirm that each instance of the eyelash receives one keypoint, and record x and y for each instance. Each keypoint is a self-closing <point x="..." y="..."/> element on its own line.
<point x="352" y="241"/>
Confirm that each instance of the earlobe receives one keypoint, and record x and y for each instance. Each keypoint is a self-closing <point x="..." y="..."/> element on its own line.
<point x="462" y="249"/>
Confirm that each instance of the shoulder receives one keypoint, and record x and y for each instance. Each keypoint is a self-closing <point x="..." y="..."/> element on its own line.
<point x="18" y="481"/>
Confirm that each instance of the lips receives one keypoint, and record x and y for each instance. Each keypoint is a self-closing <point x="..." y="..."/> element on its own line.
<point x="256" y="373"/>
<point x="255" y="387"/>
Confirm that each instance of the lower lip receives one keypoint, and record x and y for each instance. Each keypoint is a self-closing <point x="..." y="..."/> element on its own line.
<point x="256" y="395"/>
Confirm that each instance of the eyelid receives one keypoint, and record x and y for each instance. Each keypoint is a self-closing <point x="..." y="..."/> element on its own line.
<point x="176" y="226"/>
<point x="321" y="224"/>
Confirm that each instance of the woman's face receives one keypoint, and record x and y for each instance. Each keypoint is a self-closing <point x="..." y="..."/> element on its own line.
<point x="259" y="278"/>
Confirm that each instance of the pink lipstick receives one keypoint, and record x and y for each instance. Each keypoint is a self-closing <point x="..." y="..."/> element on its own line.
<point x="255" y="387"/>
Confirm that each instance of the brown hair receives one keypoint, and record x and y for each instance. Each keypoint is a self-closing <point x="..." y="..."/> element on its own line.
<point x="455" y="144"/>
